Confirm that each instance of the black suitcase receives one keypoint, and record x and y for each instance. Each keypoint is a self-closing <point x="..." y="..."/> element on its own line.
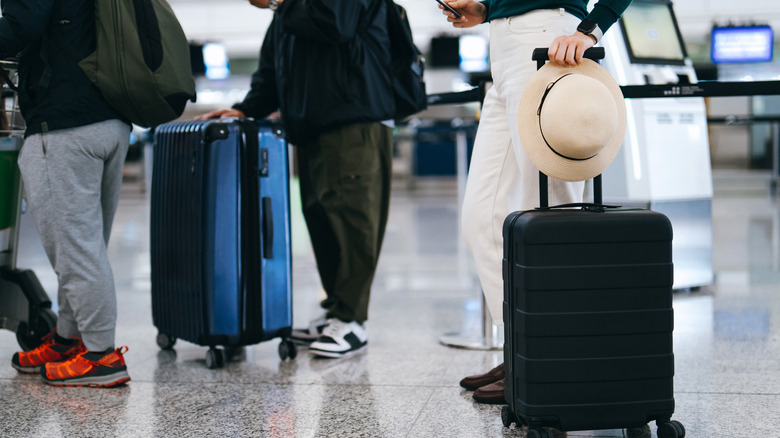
<point x="220" y="236"/>
<point x="588" y="318"/>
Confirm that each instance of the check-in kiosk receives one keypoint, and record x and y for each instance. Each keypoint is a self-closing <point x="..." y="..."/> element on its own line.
<point x="664" y="163"/>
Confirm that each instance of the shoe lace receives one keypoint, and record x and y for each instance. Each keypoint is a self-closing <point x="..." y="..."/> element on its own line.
<point x="77" y="362"/>
<point x="334" y="329"/>
<point x="46" y="342"/>
<point x="78" y="357"/>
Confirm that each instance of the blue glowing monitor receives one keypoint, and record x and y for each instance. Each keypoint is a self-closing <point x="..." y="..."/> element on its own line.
<point x="215" y="59"/>
<point x="473" y="53"/>
<point x="742" y="44"/>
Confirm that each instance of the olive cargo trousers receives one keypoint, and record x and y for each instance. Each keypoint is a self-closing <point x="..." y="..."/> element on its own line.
<point x="345" y="177"/>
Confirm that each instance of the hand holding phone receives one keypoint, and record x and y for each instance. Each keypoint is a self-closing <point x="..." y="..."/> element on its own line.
<point x="449" y="8"/>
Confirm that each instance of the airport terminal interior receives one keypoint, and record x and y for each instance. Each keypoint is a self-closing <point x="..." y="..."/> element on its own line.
<point x="710" y="163"/>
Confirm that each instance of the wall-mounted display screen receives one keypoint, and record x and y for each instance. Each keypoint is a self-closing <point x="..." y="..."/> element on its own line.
<point x="651" y="33"/>
<point x="742" y="44"/>
<point x="210" y="60"/>
<point x="468" y="53"/>
<point x="444" y="52"/>
<point x="473" y="50"/>
<point x="216" y="60"/>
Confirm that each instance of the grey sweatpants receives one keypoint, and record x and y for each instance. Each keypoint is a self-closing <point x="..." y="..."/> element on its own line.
<point x="72" y="179"/>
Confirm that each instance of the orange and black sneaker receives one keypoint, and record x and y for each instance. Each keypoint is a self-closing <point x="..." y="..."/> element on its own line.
<point x="50" y="350"/>
<point x="88" y="369"/>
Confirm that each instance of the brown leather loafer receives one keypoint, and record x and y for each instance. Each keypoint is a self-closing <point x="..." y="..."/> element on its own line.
<point x="474" y="382"/>
<point x="492" y="394"/>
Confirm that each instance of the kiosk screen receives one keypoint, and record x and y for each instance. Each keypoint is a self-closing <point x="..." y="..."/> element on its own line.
<point x="651" y="33"/>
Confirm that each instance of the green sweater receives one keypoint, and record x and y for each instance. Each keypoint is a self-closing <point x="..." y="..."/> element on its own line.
<point x="605" y="12"/>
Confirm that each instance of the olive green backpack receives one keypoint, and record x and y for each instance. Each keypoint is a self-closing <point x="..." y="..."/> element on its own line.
<point x="141" y="63"/>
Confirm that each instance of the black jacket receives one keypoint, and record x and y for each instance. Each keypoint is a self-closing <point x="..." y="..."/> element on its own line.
<point x="67" y="99"/>
<point x="323" y="64"/>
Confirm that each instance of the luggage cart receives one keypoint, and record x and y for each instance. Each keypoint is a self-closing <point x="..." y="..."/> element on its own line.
<point x="25" y="308"/>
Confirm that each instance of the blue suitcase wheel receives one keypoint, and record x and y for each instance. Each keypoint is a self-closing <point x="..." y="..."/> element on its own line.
<point x="215" y="358"/>
<point x="165" y="342"/>
<point x="287" y="349"/>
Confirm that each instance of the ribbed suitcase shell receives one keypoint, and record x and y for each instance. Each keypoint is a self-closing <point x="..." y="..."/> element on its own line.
<point x="220" y="233"/>
<point x="588" y="318"/>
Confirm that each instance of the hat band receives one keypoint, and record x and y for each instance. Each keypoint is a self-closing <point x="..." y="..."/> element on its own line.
<point x="539" y="118"/>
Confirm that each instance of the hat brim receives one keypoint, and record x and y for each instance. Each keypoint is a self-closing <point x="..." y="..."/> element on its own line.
<point x="531" y="136"/>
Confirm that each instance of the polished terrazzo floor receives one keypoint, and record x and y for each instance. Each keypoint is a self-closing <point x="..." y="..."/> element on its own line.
<point x="727" y="343"/>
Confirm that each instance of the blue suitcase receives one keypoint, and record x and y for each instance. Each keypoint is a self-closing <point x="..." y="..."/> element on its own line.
<point x="220" y="236"/>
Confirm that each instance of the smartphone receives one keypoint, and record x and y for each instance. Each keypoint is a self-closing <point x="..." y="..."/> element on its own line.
<point x="449" y="8"/>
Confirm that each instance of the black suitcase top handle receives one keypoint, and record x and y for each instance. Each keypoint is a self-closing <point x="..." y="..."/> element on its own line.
<point x="540" y="55"/>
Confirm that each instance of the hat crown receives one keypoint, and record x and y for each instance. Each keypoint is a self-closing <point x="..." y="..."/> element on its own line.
<point x="571" y="120"/>
<point x="578" y="116"/>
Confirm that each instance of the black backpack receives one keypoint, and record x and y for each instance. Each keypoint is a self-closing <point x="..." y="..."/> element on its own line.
<point x="407" y="64"/>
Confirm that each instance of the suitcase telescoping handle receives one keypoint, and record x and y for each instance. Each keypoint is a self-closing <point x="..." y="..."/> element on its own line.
<point x="540" y="56"/>
<point x="545" y="203"/>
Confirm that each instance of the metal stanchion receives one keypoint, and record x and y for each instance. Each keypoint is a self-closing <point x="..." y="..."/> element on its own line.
<point x="773" y="182"/>
<point x="489" y="336"/>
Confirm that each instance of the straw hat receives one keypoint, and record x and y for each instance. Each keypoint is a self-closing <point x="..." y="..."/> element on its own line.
<point x="571" y="120"/>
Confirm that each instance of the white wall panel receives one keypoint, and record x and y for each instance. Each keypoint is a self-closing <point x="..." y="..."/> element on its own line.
<point x="241" y="26"/>
<point x="237" y="24"/>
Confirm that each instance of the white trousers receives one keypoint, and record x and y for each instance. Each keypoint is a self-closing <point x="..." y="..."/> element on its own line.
<point x="501" y="177"/>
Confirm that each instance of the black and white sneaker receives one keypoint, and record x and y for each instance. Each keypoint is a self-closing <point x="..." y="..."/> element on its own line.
<point x="311" y="333"/>
<point x="340" y="339"/>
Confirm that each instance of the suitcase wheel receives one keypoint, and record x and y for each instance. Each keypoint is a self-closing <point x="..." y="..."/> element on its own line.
<point x="287" y="349"/>
<point x="671" y="429"/>
<point x="165" y="342"/>
<point x="539" y="433"/>
<point x="507" y="417"/>
<point x="41" y="323"/>
<point x="215" y="358"/>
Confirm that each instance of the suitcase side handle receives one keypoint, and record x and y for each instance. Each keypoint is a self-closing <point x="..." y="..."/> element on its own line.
<point x="268" y="228"/>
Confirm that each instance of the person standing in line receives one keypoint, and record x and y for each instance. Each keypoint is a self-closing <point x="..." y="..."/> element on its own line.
<point x="325" y="66"/>
<point x="71" y="163"/>
<point x="501" y="177"/>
